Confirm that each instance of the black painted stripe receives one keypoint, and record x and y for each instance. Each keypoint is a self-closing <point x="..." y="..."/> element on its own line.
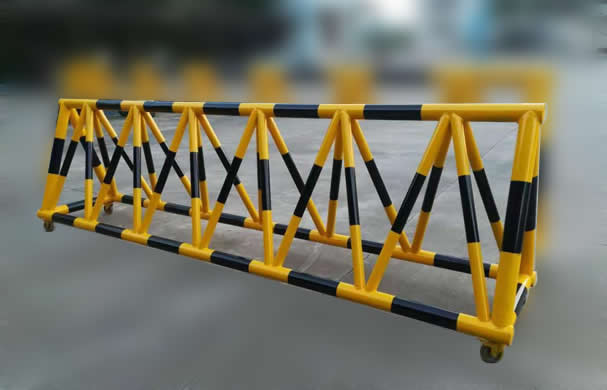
<point x="216" y="108"/>
<point x="194" y="179"/>
<point x="164" y="244"/>
<point x="75" y="206"/>
<point x="227" y="184"/>
<point x="312" y="282"/>
<point x="64" y="219"/>
<point x="95" y="159"/>
<point x="425" y="313"/>
<point x="231" y="219"/>
<point x="486" y="195"/>
<point x="465" y="190"/>
<point x="296" y="110"/>
<point x="56" y="154"/>
<point x="370" y="246"/>
<point x="202" y="174"/>
<point x="266" y="196"/>
<point x="532" y="209"/>
<point x="164" y="172"/>
<point x="111" y="170"/>
<point x="335" y="178"/>
<point x="397" y="112"/>
<point x="516" y="212"/>
<point x="137" y="166"/>
<point x="109" y="230"/>
<point x="302" y="234"/>
<point x="125" y="155"/>
<point x="304" y="198"/>
<point x="88" y="161"/>
<point x="108" y="104"/>
<point x="378" y="182"/>
<point x="408" y="203"/>
<point x="456" y="264"/>
<point x="127" y="199"/>
<point x="149" y="161"/>
<point x="69" y="156"/>
<point x="225" y="163"/>
<point x="430" y="194"/>
<point x="295" y="175"/>
<point x="103" y="150"/>
<point x="522" y="300"/>
<point x="176" y="166"/>
<point x="158" y="106"/>
<point x="227" y="260"/>
<point x="352" y="196"/>
<point x="259" y="180"/>
<point x="175" y="208"/>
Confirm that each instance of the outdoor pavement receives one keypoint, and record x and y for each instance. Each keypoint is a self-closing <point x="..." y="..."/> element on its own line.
<point x="81" y="310"/>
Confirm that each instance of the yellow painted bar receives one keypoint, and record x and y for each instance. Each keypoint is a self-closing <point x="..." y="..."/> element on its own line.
<point x="433" y="146"/>
<point x="529" y="238"/>
<point x="507" y="277"/>
<point x="266" y="215"/>
<point x="145" y="137"/>
<point x="358" y="267"/>
<point x="195" y="201"/>
<point x="88" y="183"/>
<point x="327" y="142"/>
<point x="474" y="249"/>
<point x="497" y="112"/>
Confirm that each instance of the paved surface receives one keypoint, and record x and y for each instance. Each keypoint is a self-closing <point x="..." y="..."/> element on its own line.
<point x="79" y="310"/>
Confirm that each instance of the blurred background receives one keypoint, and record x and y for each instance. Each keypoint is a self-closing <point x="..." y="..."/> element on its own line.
<point x="80" y="311"/>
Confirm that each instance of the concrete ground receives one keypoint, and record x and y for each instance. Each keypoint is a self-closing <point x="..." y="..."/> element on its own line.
<point x="80" y="310"/>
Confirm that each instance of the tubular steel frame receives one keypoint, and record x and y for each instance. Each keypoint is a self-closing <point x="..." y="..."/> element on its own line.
<point x="514" y="274"/>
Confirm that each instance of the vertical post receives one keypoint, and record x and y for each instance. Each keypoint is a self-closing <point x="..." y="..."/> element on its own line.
<point x="88" y="170"/>
<point x="263" y="177"/>
<point x="516" y="213"/>
<point x="137" y="200"/>
<point x="470" y="224"/>
<point x="194" y="178"/>
<point x="529" y="238"/>
<point x="358" y="267"/>
<point x="54" y="181"/>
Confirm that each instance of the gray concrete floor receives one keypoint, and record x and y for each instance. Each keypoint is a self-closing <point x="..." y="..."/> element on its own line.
<point x="79" y="310"/>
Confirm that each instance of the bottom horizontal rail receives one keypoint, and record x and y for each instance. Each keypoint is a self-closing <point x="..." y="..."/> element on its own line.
<point x="438" y="260"/>
<point x="460" y="322"/>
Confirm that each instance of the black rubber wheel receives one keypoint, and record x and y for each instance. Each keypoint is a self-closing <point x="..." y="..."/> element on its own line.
<point x="108" y="208"/>
<point x="49" y="226"/>
<point x="488" y="357"/>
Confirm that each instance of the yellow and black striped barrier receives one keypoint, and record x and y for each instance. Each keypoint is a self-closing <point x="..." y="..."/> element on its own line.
<point x="514" y="274"/>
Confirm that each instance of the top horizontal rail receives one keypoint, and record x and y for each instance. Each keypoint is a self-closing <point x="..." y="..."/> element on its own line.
<point x="497" y="112"/>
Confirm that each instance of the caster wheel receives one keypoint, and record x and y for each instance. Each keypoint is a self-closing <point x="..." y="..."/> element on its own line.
<point x="108" y="208"/>
<point x="49" y="226"/>
<point x="488" y="357"/>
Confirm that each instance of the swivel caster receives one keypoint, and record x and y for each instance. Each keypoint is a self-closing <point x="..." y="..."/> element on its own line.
<point x="49" y="226"/>
<point x="108" y="208"/>
<point x="488" y="356"/>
